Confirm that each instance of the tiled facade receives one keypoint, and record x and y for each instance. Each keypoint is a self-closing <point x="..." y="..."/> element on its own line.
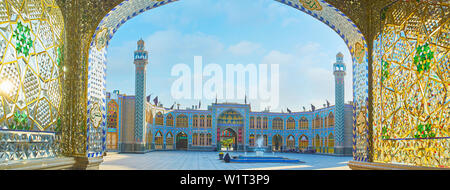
<point x="326" y="130"/>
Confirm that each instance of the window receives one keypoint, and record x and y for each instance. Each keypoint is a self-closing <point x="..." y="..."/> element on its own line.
<point x="182" y="121"/>
<point x="252" y="140"/>
<point x="317" y="122"/>
<point x="330" y="120"/>
<point x="277" y="124"/>
<point x="195" y="121"/>
<point x="169" y="120"/>
<point x="258" y="123"/>
<point x="290" y="124"/>
<point x="112" y="114"/>
<point x="303" y="123"/>
<point x="202" y="121"/>
<point x="202" y="139"/>
<point x="209" y="121"/>
<point x="265" y="140"/>
<point x="209" y="137"/>
<point x="265" y="123"/>
<point x="252" y="122"/>
<point x="195" y="139"/>
<point x="159" y="120"/>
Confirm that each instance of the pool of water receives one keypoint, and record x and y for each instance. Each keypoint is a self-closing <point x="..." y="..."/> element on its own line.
<point x="266" y="159"/>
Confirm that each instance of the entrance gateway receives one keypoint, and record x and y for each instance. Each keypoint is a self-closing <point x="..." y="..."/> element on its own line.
<point x="182" y="141"/>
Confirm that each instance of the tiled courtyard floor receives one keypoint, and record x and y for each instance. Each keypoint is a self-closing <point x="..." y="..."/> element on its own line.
<point x="188" y="160"/>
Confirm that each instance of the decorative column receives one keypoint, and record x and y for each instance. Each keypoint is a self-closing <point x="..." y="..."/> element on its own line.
<point x="140" y="61"/>
<point x="339" y="74"/>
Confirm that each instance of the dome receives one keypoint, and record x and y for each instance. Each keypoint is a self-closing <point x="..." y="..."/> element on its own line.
<point x="141" y="41"/>
<point x="340" y="55"/>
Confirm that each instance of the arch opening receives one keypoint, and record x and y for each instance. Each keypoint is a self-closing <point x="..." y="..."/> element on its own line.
<point x="319" y="10"/>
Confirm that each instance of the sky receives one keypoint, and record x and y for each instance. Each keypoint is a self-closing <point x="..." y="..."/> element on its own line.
<point x="231" y="32"/>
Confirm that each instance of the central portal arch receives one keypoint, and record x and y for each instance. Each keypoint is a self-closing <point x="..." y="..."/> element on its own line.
<point x="318" y="9"/>
<point x="181" y="141"/>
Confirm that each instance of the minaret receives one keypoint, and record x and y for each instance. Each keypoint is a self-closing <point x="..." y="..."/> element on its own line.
<point x="140" y="61"/>
<point x="339" y="74"/>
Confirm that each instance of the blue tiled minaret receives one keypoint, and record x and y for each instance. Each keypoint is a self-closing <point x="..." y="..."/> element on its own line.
<point x="339" y="74"/>
<point x="140" y="61"/>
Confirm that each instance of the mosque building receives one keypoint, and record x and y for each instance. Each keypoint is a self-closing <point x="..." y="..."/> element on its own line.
<point x="226" y="126"/>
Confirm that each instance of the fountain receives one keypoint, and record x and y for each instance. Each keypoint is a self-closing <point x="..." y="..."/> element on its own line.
<point x="259" y="151"/>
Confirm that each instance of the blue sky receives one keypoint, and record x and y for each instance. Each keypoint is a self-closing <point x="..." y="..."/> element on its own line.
<point x="231" y="32"/>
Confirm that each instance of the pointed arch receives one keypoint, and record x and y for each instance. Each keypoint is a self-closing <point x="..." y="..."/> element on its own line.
<point x="290" y="124"/>
<point x="252" y="122"/>
<point x="169" y="141"/>
<point x="169" y="120"/>
<point x="251" y="140"/>
<point x="202" y="121"/>
<point x="195" y="121"/>
<point x="303" y="142"/>
<point x="331" y="143"/>
<point x="290" y="142"/>
<point x="265" y="123"/>
<point x="277" y="143"/>
<point x="209" y="121"/>
<point x="182" y="121"/>
<point x="159" y="140"/>
<point x="258" y="123"/>
<point x="317" y="143"/>
<point x="303" y="123"/>
<point x="278" y="124"/>
<point x="159" y="119"/>
<point x="330" y="120"/>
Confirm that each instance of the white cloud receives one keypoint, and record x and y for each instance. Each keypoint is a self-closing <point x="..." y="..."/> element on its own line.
<point x="277" y="57"/>
<point x="245" y="48"/>
<point x="174" y="43"/>
<point x="290" y="21"/>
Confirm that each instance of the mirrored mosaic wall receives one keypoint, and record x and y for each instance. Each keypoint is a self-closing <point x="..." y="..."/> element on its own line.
<point x="31" y="43"/>
<point x="411" y="86"/>
<point x="31" y="40"/>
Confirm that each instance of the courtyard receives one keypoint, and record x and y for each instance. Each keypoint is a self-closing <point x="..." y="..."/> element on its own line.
<point x="195" y="160"/>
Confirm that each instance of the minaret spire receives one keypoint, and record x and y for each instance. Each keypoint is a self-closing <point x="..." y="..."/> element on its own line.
<point x="140" y="62"/>
<point x="339" y="75"/>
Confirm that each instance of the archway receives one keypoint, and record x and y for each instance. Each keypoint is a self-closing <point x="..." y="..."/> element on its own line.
<point x="290" y="143"/>
<point x="169" y="141"/>
<point x="277" y="143"/>
<point x="321" y="10"/>
<point x="330" y="143"/>
<point x="159" y="141"/>
<point x="228" y="140"/>
<point x="317" y="143"/>
<point x="368" y="110"/>
<point x="112" y="133"/>
<point x="228" y="123"/>
<point x="303" y="143"/>
<point x="182" y="141"/>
